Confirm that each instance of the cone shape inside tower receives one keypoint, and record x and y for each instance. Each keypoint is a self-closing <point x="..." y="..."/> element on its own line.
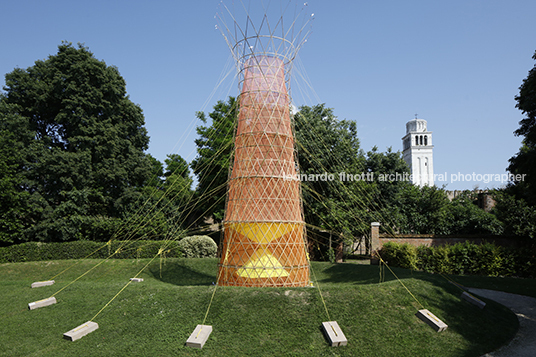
<point x="263" y="228"/>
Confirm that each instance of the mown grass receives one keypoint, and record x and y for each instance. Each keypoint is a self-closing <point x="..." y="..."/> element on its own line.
<point x="155" y="317"/>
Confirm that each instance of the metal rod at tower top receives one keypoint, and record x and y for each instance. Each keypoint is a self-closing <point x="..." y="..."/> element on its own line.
<point x="264" y="231"/>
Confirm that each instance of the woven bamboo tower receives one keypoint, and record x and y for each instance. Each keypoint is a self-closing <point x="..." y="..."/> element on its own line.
<point x="264" y="231"/>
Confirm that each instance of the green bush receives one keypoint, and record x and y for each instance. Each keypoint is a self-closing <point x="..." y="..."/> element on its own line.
<point x="400" y="255"/>
<point x="462" y="258"/>
<point x="524" y="263"/>
<point x="36" y="251"/>
<point x="198" y="247"/>
<point x="491" y="260"/>
<point x="433" y="259"/>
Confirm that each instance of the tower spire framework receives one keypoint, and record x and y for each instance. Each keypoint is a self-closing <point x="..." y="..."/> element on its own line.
<point x="264" y="230"/>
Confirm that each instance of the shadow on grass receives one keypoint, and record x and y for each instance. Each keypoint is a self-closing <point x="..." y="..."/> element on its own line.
<point x="481" y="330"/>
<point x="485" y="329"/>
<point x="348" y="273"/>
<point x="186" y="272"/>
<point x="203" y="271"/>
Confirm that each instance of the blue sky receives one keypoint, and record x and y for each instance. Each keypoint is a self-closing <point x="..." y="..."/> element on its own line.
<point x="457" y="63"/>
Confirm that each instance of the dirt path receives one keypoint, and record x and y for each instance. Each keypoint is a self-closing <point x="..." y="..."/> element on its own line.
<point x="524" y="343"/>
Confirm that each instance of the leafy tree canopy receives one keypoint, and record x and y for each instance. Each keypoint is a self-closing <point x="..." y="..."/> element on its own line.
<point x="390" y="164"/>
<point x="211" y="166"/>
<point x="84" y="140"/>
<point x="518" y="218"/>
<point x="329" y="146"/>
<point x="178" y="185"/>
<point x="524" y="162"/>
<point x="427" y="210"/>
<point x="12" y="198"/>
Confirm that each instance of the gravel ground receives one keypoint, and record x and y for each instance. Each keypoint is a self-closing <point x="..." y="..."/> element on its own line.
<point x="524" y="343"/>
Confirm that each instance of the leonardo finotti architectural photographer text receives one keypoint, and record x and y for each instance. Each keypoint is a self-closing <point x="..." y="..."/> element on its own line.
<point x="404" y="176"/>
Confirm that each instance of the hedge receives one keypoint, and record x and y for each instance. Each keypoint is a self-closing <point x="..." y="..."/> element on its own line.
<point x="33" y="251"/>
<point x="462" y="258"/>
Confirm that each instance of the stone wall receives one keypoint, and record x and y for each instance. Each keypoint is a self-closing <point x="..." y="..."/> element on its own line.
<point x="484" y="198"/>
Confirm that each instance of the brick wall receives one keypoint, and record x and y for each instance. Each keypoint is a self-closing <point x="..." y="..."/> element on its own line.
<point x="431" y="240"/>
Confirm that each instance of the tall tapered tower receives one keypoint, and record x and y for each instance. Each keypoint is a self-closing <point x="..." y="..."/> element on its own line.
<point x="418" y="152"/>
<point x="264" y="231"/>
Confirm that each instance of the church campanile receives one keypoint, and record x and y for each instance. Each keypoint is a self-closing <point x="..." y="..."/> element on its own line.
<point x="418" y="152"/>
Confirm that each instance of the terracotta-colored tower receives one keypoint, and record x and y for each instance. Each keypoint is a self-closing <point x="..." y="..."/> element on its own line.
<point x="263" y="227"/>
<point x="264" y="231"/>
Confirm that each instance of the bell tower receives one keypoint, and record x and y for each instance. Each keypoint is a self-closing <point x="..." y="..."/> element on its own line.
<point x="418" y="152"/>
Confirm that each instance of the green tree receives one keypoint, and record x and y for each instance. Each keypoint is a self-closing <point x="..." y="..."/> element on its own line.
<point x="329" y="146"/>
<point x="524" y="162"/>
<point x="162" y="208"/>
<point x="517" y="217"/>
<point x="87" y="141"/>
<point x="465" y="217"/>
<point x="424" y="210"/>
<point x="427" y="210"/>
<point x="391" y="175"/>
<point x="12" y="196"/>
<point x="178" y="185"/>
<point x="156" y="178"/>
<point x="211" y="166"/>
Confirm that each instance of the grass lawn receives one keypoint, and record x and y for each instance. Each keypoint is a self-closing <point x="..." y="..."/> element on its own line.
<point x="155" y="317"/>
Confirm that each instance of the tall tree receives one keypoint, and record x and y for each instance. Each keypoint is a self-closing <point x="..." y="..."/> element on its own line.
<point x="12" y="197"/>
<point x="329" y="146"/>
<point x="524" y="162"/>
<point x="518" y="218"/>
<point x="88" y="139"/>
<point x="157" y="172"/>
<point x="178" y="184"/>
<point x="391" y="176"/>
<point x="161" y="209"/>
<point x="211" y="166"/>
<point x="424" y="210"/>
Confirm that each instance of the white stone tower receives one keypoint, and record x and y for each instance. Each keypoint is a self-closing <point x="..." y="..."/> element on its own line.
<point x="418" y="152"/>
